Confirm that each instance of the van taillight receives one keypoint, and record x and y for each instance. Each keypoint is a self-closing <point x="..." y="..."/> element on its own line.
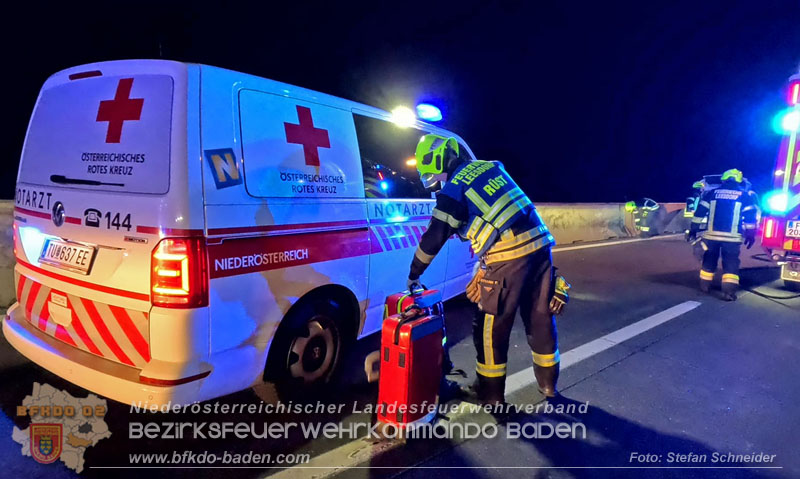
<point x="178" y="273"/>
<point x="769" y="228"/>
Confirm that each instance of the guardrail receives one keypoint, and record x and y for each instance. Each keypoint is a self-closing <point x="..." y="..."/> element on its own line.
<point x="7" y="293"/>
<point x="569" y="223"/>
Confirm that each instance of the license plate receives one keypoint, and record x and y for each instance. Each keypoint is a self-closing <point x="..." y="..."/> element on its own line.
<point x="74" y="257"/>
<point x="791" y="272"/>
<point x="793" y="229"/>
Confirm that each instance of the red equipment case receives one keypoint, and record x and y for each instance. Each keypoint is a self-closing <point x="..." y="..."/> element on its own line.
<point x="411" y="360"/>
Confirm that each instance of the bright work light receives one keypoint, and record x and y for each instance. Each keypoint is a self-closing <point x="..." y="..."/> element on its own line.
<point x="402" y="116"/>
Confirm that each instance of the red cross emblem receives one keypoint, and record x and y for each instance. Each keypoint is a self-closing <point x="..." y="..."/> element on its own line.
<point x="120" y="109"/>
<point x="307" y="135"/>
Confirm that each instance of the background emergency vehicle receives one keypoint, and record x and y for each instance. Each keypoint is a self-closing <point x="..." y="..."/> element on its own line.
<point x="183" y="231"/>
<point x="781" y="227"/>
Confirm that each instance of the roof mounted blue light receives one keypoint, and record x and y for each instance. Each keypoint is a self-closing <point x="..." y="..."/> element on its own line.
<point x="776" y="201"/>
<point x="429" y="112"/>
<point x="787" y="121"/>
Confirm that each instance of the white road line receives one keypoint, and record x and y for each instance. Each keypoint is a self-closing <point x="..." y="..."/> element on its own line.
<point x="612" y="243"/>
<point x="357" y="452"/>
<point x="524" y="378"/>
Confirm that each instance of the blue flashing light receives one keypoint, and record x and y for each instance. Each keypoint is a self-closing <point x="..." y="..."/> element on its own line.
<point x="384" y="185"/>
<point x="397" y="219"/>
<point x="776" y="201"/>
<point x="787" y="121"/>
<point x="791" y="121"/>
<point x="428" y="112"/>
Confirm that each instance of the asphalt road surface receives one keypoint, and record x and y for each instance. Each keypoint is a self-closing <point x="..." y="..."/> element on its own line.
<point x="675" y="381"/>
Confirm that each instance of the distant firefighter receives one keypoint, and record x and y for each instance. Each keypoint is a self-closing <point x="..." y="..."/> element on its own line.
<point x="731" y="215"/>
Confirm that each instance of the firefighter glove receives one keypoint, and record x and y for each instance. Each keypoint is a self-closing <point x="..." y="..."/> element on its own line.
<point x="690" y="235"/>
<point x="560" y="295"/>
<point x="413" y="285"/>
<point x="749" y="238"/>
<point x="473" y="287"/>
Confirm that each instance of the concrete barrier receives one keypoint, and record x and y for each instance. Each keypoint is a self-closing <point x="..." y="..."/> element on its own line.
<point x="569" y="223"/>
<point x="7" y="293"/>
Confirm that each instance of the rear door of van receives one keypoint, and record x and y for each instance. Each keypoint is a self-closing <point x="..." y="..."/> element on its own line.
<point x="99" y="184"/>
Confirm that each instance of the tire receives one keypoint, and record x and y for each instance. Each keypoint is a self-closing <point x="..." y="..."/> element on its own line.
<point x="307" y="348"/>
<point x="791" y="285"/>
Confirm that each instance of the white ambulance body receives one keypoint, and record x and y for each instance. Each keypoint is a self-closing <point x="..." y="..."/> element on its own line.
<point x="184" y="232"/>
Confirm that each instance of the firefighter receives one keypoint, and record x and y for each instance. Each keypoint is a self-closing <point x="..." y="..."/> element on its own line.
<point x="732" y="215"/>
<point x="480" y="202"/>
<point x="691" y="201"/>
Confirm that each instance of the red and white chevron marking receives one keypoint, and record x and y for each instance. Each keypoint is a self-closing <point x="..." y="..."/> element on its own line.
<point x="107" y="331"/>
<point x="395" y="236"/>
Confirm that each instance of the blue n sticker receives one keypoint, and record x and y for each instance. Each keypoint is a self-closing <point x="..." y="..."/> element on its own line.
<point x="224" y="167"/>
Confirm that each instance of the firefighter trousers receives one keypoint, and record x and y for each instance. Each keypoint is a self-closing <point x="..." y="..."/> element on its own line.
<point x="730" y="265"/>
<point x="526" y="284"/>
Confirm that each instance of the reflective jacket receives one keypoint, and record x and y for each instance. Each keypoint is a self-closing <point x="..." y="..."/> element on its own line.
<point x="730" y="211"/>
<point x="482" y="204"/>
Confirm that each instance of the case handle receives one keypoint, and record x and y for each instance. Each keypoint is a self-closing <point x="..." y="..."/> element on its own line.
<point x="411" y="313"/>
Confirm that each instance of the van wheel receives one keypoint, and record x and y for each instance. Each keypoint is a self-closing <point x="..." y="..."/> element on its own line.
<point x="308" y="348"/>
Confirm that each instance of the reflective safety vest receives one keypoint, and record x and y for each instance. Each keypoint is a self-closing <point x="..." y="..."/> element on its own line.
<point x="482" y="204"/>
<point x="729" y="211"/>
<point x="501" y="222"/>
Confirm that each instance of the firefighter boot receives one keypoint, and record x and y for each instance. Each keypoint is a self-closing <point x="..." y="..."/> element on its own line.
<point x="547" y="377"/>
<point x="491" y="390"/>
<point x="705" y="280"/>
<point x="730" y="284"/>
<point x="485" y="390"/>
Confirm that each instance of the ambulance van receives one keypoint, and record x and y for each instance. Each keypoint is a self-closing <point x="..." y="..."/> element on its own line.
<point x="182" y="232"/>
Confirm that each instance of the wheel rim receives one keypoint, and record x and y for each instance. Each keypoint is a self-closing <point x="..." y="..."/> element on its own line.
<point x="311" y="356"/>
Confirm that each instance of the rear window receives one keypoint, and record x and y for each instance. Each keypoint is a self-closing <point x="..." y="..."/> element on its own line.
<point x="104" y="134"/>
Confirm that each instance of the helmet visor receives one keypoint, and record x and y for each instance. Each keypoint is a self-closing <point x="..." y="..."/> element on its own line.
<point x="429" y="180"/>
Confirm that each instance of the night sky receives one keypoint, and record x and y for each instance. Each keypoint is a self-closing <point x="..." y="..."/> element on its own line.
<point x="583" y="101"/>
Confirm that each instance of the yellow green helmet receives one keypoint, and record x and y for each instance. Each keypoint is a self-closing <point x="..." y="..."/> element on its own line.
<point x="733" y="174"/>
<point x="430" y="156"/>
